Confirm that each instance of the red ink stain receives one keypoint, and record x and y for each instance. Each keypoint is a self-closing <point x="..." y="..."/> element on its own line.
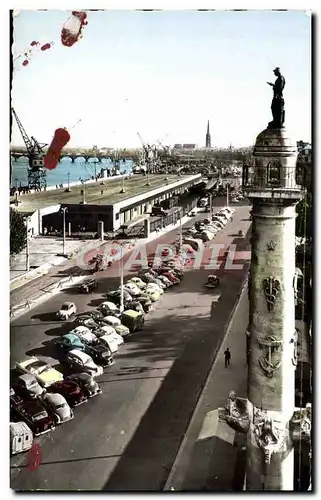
<point x="34" y="457"/>
<point x="25" y="62"/>
<point x="61" y="137"/>
<point x="71" y="30"/>
<point x="33" y="43"/>
<point x="46" y="46"/>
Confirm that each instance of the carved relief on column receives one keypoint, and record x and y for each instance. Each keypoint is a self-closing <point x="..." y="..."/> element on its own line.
<point x="235" y="413"/>
<point x="269" y="433"/>
<point x="271" y="287"/>
<point x="272" y="359"/>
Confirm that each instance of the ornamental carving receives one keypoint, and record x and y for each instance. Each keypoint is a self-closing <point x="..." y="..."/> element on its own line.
<point x="271" y="288"/>
<point x="296" y="343"/>
<point x="271" y="245"/>
<point x="271" y="361"/>
<point x="300" y="424"/>
<point x="269" y="435"/>
<point x="235" y="413"/>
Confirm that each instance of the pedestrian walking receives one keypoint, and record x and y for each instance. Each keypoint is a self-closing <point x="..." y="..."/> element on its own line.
<point x="227" y="356"/>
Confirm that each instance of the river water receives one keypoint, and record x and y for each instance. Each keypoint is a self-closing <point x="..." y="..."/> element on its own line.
<point x="79" y="170"/>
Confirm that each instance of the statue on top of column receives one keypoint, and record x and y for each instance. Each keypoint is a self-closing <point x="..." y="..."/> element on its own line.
<point x="277" y="106"/>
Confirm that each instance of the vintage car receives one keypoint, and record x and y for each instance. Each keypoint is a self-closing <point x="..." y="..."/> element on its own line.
<point x="70" y="341"/>
<point x="34" y="415"/>
<point x="135" y="306"/>
<point x="67" y="310"/>
<point x="109" y="333"/>
<point x="100" y="354"/>
<point x="84" y="334"/>
<point x="85" y="320"/>
<point x="28" y="386"/>
<point x="15" y="398"/>
<point x="138" y="282"/>
<point x="80" y="361"/>
<point x="21" y="437"/>
<point x="58" y="407"/>
<point x="132" y="289"/>
<point x="109" y="309"/>
<point x="44" y="373"/>
<point x="152" y="294"/>
<point x="87" y="383"/>
<point x="154" y="287"/>
<point x="88" y="286"/>
<point x="115" y="296"/>
<point x="212" y="281"/>
<point x="165" y="280"/>
<point x="133" y="320"/>
<point x="172" y="278"/>
<point x="70" y="390"/>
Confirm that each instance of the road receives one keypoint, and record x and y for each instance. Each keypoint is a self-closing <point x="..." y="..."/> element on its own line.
<point x="128" y="438"/>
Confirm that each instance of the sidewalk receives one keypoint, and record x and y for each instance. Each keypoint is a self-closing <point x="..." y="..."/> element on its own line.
<point x="212" y="455"/>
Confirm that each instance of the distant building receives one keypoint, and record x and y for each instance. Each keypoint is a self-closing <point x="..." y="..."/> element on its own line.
<point x="178" y="146"/>
<point x="189" y="146"/>
<point x="304" y="164"/>
<point x="208" y="136"/>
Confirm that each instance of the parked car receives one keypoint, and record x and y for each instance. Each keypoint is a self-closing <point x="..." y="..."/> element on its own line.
<point x="21" y="437"/>
<point x="115" y="296"/>
<point x="87" y="383"/>
<point x="155" y="287"/>
<point x="145" y="302"/>
<point x="67" y="310"/>
<point x="109" y="332"/>
<point x="100" y="354"/>
<point x="84" y="334"/>
<point x="35" y="416"/>
<point x="85" y="320"/>
<point x="88" y="286"/>
<point x="28" y="386"/>
<point x="70" y="390"/>
<point x="80" y="361"/>
<point x="58" y="407"/>
<point x="138" y="282"/>
<point x="109" y="309"/>
<point x="44" y="373"/>
<point x="133" y="320"/>
<point x="153" y="294"/>
<point x="172" y="278"/>
<point x="70" y="341"/>
<point x="15" y="398"/>
<point x="132" y="289"/>
<point x="135" y="306"/>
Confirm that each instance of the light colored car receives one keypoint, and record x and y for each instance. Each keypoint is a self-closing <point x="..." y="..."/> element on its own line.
<point x="28" y="384"/>
<point x="138" y="282"/>
<point x="122" y="330"/>
<point x="80" y="361"/>
<point x="112" y="321"/>
<point x="84" y="334"/>
<point x="58" y="406"/>
<point x="155" y="287"/>
<point x="109" y="308"/>
<point x="132" y="289"/>
<point x="110" y="332"/>
<point x="153" y="294"/>
<point x="44" y="373"/>
<point x="67" y="310"/>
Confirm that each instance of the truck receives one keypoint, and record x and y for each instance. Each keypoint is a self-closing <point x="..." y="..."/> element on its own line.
<point x="21" y="437"/>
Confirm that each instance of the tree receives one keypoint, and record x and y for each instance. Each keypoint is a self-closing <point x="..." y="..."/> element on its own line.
<point x="18" y="232"/>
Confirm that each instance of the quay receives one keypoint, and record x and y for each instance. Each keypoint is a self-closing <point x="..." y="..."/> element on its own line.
<point x="113" y="203"/>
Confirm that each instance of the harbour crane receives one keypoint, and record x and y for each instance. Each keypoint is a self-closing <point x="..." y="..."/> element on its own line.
<point x="36" y="171"/>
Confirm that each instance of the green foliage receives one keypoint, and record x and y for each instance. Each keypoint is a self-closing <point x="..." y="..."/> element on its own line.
<point x="304" y="221"/>
<point x="18" y="233"/>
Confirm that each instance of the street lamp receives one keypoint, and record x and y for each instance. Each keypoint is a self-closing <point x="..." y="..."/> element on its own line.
<point x="68" y="187"/>
<point x="27" y="246"/>
<point x="227" y="199"/>
<point x="64" y="210"/>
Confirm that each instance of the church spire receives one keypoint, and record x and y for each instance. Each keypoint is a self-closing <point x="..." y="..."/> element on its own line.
<point x="208" y="136"/>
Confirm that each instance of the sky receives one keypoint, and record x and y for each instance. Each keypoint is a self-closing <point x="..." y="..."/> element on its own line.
<point x="162" y="74"/>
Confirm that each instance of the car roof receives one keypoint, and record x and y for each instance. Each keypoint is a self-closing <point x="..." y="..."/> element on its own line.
<point x="67" y="304"/>
<point x="55" y="397"/>
<point x="81" y="355"/>
<point x="27" y="377"/>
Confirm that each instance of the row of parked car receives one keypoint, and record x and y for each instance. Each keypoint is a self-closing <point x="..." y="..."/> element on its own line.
<point x="207" y="229"/>
<point x="41" y="397"/>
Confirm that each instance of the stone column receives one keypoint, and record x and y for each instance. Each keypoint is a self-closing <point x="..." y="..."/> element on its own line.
<point x="271" y="368"/>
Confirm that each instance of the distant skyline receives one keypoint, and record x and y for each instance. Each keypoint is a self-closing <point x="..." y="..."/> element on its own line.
<point x="162" y="74"/>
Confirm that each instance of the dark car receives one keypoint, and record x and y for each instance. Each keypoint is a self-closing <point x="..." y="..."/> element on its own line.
<point x="115" y="295"/>
<point x="136" y="305"/>
<point x="88" y="286"/>
<point x="35" y="416"/>
<point x="85" y="320"/>
<point x="70" y="390"/>
<point x="100" y="354"/>
<point x="95" y="315"/>
<point x="145" y="302"/>
<point x="15" y="398"/>
<point x="87" y="383"/>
